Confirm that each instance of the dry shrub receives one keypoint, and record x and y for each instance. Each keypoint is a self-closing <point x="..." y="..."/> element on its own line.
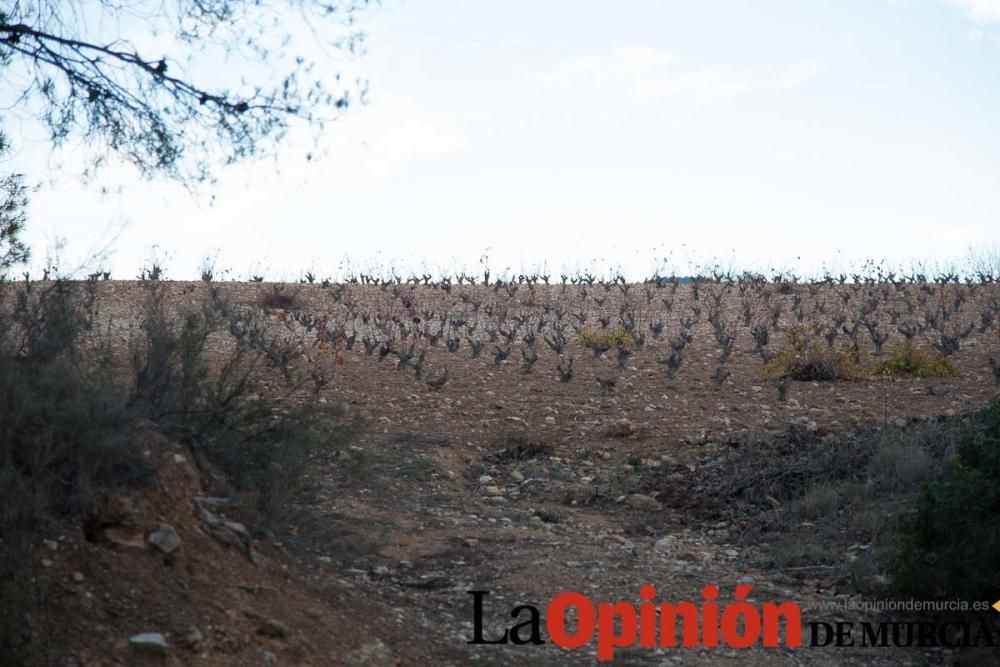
<point x="898" y="466"/>
<point x="914" y="508"/>
<point x="252" y="413"/>
<point x="517" y="446"/>
<point x="820" y="501"/>
<point x="278" y="298"/>
<point x="69" y="404"/>
<point x="803" y="358"/>
<point x="64" y="428"/>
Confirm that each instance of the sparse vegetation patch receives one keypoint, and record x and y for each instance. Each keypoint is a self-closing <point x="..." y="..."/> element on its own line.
<point x="593" y="337"/>
<point x="908" y="360"/>
<point x="806" y="359"/>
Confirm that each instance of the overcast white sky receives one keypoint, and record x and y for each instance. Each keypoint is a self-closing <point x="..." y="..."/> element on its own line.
<point x="773" y="133"/>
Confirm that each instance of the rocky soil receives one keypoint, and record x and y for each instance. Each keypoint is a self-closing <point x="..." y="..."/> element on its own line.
<point x="499" y="480"/>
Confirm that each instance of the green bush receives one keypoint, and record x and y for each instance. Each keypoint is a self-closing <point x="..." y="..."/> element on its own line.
<point x="951" y="544"/>
<point x="909" y="361"/>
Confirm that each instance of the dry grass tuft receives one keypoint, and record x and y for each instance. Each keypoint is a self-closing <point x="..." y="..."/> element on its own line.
<point x="805" y="359"/>
<point x="617" y="337"/>
<point x="908" y="360"/>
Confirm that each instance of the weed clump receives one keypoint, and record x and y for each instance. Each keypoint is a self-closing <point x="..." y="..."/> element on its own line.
<point x="908" y="360"/>
<point x="596" y="338"/>
<point x="805" y="359"/>
<point x="278" y="298"/>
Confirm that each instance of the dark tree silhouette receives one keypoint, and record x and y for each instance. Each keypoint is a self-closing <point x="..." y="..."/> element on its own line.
<point x="13" y="200"/>
<point x="176" y="87"/>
